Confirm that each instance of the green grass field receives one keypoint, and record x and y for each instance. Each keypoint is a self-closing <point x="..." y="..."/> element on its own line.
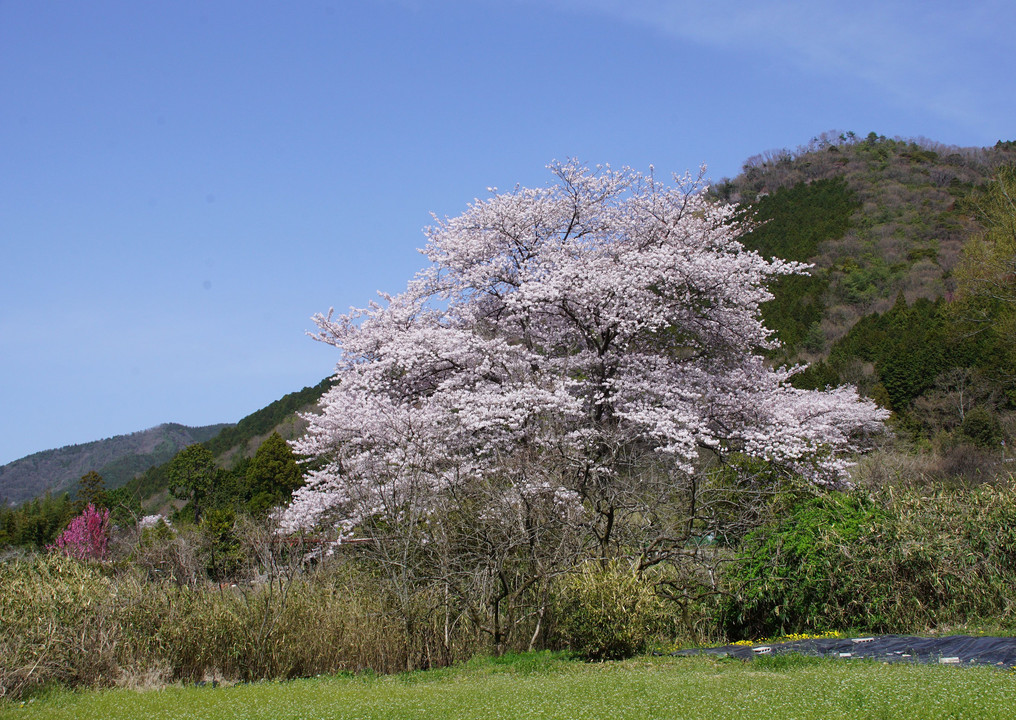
<point x="544" y="685"/>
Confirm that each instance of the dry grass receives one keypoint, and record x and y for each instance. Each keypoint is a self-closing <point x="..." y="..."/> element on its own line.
<point x="80" y="625"/>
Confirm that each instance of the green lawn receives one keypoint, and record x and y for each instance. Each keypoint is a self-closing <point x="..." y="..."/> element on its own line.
<point x="547" y="686"/>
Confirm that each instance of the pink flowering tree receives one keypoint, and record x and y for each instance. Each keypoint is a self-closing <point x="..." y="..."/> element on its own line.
<point x="554" y="379"/>
<point x="87" y="535"/>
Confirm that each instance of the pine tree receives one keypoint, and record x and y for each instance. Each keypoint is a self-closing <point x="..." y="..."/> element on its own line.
<point x="92" y="491"/>
<point x="272" y="475"/>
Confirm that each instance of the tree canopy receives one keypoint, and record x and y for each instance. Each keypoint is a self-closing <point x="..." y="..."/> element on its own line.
<point x="191" y="475"/>
<point x="92" y="490"/>
<point x="987" y="272"/>
<point x="272" y="474"/>
<point x="564" y="343"/>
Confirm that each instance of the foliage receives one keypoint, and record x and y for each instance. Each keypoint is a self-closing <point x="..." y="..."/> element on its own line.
<point x="262" y="422"/>
<point x="124" y="506"/>
<point x="36" y="523"/>
<point x="743" y="493"/>
<point x="191" y="475"/>
<point x="987" y="273"/>
<point x="886" y="561"/>
<point x="87" y="536"/>
<point x="251" y="486"/>
<point x="790" y="224"/>
<point x="862" y="284"/>
<point x="794" y="221"/>
<point x="911" y="356"/>
<point x="272" y="475"/>
<point x="789" y="574"/>
<point x="224" y="551"/>
<point x="916" y="349"/>
<point x="147" y="484"/>
<point x="608" y="613"/>
<point x="986" y="276"/>
<point x="227" y="488"/>
<point x="816" y="376"/>
<point x="92" y="490"/>
<point x="982" y="428"/>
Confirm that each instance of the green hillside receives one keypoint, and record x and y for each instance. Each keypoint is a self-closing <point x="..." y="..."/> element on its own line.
<point x="877" y="216"/>
<point x="891" y="304"/>
<point x="249" y="469"/>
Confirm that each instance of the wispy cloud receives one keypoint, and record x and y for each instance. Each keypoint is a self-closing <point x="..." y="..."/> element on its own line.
<point x="943" y="58"/>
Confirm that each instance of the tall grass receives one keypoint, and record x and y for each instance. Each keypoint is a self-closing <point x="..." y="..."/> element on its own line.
<point x="897" y="558"/>
<point x="76" y="624"/>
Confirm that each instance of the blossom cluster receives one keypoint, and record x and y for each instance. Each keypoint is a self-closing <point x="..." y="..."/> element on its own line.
<point x="151" y="521"/>
<point x="87" y="535"/>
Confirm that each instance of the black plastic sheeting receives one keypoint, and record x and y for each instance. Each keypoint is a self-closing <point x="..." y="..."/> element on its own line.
<point x="953" y="649"/>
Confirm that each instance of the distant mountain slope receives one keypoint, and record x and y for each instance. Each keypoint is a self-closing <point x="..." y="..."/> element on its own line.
<point x="117" y="459"/>
<point x="886" y="224"/>
<point x="236" y="442"/>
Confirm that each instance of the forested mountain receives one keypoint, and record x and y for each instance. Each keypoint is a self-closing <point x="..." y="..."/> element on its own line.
<point x="116" y="459"/>
<point x="896" y="301"/>
<point x="245" y="468"/>
<point x="877" y="216"/>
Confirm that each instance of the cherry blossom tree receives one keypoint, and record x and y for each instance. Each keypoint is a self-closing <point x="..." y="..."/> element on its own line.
<point x="558" y="371"/>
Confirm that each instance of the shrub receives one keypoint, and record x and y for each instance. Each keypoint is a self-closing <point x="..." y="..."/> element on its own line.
<point x="899" y="560"/>
<point x="796" y="572"/>
<point x="608" y="613"/>
<point x="982" y="427"/>
<point x="77" y="624"/>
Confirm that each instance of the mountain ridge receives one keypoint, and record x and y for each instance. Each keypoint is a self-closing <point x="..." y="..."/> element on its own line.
<point x="116" y="458"/>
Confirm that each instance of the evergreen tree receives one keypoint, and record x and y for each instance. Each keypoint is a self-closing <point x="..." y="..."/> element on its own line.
<point x="92" y="491"/>
<point x="36" y="523"/>
<point x="192" y="474"/>
<point x="272" y="475"/>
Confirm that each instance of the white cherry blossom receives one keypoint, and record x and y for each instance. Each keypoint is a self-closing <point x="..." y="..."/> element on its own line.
<point x="569" y="324"/>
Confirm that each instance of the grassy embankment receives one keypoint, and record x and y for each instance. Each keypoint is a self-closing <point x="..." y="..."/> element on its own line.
<point x="545" y="685"/>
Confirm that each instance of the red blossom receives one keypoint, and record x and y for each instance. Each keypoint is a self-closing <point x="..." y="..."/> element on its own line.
<point x="87" y="535"/>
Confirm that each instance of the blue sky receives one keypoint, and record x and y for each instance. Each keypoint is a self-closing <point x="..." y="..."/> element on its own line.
<point x="183" y="184"/>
